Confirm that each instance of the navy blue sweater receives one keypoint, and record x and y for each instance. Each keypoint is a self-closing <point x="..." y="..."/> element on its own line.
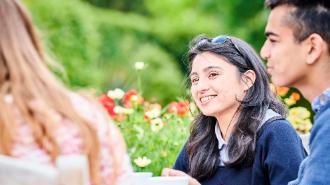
<point x="279" y="152"/>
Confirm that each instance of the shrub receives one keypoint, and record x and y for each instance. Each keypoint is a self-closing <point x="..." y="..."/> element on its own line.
<point x="154" y="134"/>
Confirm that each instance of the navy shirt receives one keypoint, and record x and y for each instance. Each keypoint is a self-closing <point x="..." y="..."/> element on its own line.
<point x="279" y="152"/>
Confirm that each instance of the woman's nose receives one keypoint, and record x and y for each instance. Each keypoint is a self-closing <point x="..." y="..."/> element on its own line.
<point x="203" y="86"/>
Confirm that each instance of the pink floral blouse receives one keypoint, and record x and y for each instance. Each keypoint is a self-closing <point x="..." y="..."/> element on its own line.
<point x="70" y="141"/>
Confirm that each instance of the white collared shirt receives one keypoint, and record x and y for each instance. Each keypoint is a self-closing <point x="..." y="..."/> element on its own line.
<point x="222" y="145"/>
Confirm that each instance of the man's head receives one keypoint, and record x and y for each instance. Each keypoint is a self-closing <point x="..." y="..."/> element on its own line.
<point x="309" y="16"/>
<point x="298" y="40"/>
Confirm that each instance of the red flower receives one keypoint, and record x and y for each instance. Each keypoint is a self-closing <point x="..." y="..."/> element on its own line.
<point x="132" y="98"/>
<point x="180" y="108"/>
<point x="108" y="103"/>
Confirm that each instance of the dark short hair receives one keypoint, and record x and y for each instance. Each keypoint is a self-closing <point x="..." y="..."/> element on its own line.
<point x="310" y="16"/>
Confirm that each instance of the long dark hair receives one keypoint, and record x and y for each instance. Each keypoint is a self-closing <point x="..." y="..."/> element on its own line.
<point x="202" y="146"/>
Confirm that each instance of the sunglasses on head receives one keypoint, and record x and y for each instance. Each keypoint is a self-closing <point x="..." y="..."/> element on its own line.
<point x="224" y="38"/>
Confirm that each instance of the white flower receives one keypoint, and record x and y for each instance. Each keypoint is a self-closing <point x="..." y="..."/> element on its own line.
<point x="142" y="161"/>
<point x="139" y="65"/>
<point x="119" y="110"/>
<point x="156" y="124"/>
<point x="153" y="113"/>
<point x="134" y="98"/>
<point x="116" y="94"/>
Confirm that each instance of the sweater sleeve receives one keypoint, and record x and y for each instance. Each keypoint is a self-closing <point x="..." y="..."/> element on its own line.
<point x="181" y="162"/>
<point x="282" y="152"/>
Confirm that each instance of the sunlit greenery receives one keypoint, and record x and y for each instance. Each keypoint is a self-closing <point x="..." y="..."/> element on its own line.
<point x="98" y="41"/>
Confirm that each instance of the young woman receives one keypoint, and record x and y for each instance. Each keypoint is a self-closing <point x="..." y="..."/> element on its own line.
<point x="40" y="119"/>
<point x="240" y="137"/>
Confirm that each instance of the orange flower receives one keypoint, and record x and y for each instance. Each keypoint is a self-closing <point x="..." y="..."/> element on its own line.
<point x="180" y="108"/>
<point x="132" y="98"/>
<point x="282" y="90"/>
<point x="295" y="96"/>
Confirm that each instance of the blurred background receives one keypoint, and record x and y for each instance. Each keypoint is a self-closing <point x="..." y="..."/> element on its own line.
<point x="99" y="41"/>
<point x="142" y="45"/>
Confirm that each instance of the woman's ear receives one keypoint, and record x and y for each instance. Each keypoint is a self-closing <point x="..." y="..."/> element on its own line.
<point x="248" y="79"/>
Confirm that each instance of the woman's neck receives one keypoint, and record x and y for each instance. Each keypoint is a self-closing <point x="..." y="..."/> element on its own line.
<point x="226" y="124"/>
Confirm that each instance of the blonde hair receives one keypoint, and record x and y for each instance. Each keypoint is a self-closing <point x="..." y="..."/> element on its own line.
<point x="24" y="75"/>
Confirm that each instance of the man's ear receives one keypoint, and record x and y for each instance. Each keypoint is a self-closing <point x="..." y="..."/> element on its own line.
<point x="315" y="47"/>
<point x="248" y="78"/>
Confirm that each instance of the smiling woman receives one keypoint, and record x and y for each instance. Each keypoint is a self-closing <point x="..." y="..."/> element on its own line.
<point x="240" y="137"/>
<point x="208" y="71"/>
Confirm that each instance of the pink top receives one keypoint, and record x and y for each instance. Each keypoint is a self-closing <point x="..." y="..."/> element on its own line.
<point x="70" y="141"/>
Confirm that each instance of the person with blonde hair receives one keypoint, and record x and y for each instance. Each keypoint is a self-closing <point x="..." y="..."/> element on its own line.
<point x="40" y="119"/>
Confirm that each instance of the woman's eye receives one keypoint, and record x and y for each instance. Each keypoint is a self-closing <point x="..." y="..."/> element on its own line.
<point x="194" y="80"/>
<point x="213" y="75"/>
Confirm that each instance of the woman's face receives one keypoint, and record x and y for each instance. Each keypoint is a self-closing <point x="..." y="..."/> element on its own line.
<point x="215" y="85"/>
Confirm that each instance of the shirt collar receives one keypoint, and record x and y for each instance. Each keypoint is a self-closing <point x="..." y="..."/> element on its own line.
<point x="221" y="141"/>
<point x="321" y="100"/>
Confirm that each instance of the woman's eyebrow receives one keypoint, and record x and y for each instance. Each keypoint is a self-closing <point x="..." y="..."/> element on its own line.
<point x="211" y="67"/>
<point x="206" y="69"/>
<point x="192" y="74"/>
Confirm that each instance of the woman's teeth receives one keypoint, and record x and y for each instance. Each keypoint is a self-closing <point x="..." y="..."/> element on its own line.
<point x="207" y="98"/>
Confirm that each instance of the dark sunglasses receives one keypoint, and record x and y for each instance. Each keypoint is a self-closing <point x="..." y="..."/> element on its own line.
<point x="224" y="38"/>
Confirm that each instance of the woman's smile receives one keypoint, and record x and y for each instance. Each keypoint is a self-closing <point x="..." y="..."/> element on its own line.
<point x="207" y="98"/>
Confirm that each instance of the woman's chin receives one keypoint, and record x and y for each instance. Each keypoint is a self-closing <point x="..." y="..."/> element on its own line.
<point x="208" y="113"/>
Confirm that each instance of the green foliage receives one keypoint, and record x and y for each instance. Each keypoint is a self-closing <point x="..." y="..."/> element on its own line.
<point x="158" y="75"/>
<point x="151" y="132"/>
<point x="175" y="23"/>
<point x="122" y="5"/>
<point x="161" y="147"/>
<point x="71" y="38"/>
<point x="98" y="48"/>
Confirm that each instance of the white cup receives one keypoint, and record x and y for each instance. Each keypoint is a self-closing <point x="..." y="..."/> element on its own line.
<point x="141" y="178"/>
<point x="171" y="180"/>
